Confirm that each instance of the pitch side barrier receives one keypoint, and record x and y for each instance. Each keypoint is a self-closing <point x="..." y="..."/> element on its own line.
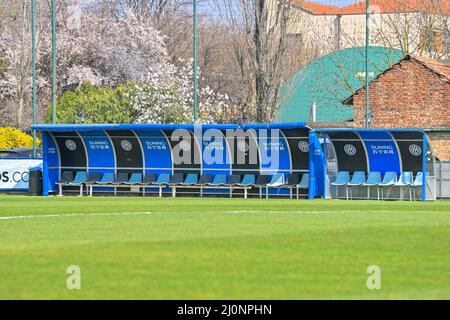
<point x="228" y="154"/>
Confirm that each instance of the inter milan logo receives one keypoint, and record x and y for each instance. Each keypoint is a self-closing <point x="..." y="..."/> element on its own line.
<point x="303" y="146"/>
<point x="185" y="146"/>
<point x="415" y="150"/>
<point x="71" y="145"/>
<point x="126" y="145"/>
<point x="350" y="149"/>
<point x="243" y="146"/>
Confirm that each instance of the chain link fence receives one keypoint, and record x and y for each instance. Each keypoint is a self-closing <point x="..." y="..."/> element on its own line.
<point x="442" y="173"/>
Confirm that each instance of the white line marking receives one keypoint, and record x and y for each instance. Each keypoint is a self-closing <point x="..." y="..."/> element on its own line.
<point x="76" y="215"/>
<point x="70" y="215"/>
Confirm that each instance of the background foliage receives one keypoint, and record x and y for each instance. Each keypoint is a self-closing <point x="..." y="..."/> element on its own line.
<point x="12" y="138"/>
<point x="99" y="105"/>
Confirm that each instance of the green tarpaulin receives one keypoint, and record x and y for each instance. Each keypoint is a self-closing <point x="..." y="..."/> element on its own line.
<point x="329" y="80"/>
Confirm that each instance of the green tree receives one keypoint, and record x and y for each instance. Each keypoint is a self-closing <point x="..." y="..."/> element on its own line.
<point x="99" y="105"/>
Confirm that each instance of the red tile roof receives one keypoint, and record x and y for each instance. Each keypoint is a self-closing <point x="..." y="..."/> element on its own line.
<point x="315" y="8"/>
<point x="438" y="66"/>
<point x="399" y="6"/>
<point x="378" y="6"/>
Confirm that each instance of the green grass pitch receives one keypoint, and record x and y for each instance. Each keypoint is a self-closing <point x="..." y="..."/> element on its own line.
<point x="148" y="248"/>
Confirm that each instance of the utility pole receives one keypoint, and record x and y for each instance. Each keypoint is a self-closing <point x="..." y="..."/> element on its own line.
<point x="367" y="63"/>
<point x="33" y="66"/>
<point x="54" y="88"/>
<point x="195" y="62"/>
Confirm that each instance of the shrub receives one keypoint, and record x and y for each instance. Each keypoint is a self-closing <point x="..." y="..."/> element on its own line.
<point x="100" y="105"/>
<point x="12" y="138"/>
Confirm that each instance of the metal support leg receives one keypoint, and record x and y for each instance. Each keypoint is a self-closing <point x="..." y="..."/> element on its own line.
<point x="231" y="193"/>
<point x="368" y="192"/>
<point x="81" y="190"/>
<point x="260" y="192"/>
<point x="346" y="192"/>
<point x="245" y="193"/>
<point x="160" y="192"/>
<point x="201" y="192"/>
<point x="290" y="193"/>
<point x="60" y="190"/>
<point x="298" y="193"/>
<point x="267" y="193"/>
<point x="174" y="192"/>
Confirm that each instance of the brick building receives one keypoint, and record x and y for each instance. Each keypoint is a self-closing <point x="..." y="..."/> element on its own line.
<point x="413" y="93"/>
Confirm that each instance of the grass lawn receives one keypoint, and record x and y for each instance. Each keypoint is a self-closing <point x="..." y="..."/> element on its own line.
<point x="136" y="248"/>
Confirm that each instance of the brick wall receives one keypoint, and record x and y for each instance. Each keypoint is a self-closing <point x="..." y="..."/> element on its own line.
<point x="441" y="144"/>
<point x="408" y="96"/>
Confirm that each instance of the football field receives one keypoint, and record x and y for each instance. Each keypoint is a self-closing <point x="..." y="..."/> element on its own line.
<point x="149" y="248"/>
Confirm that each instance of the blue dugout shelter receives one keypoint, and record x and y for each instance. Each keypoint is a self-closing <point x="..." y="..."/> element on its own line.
<point x="184" y="148"/>
<point x="401" y="158"/>
<point x="258" y="149"/>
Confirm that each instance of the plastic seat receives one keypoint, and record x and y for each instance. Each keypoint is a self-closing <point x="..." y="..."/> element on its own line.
<point x="136" y="178"/>
<point x="205" y="179"/>
<point x="121" y="178"/>
<point x="177" y="178"/>
<point x="234" y="180"/>
<point x="358" y="179"/>
<point x="373" y="180"/>
<point x="93" y="178"/>
<point x="191" y="180"/>
<point x="389" y="180"/>
<point x="406" y="180"/>
<point x="342" y="179"/>
<point x="219" y="180"/>
<point x="291" y="182"/>
<point x="80" y="179"/>
<point x="163" y="179"/>
<point x="149" y="179"/>
<point x="276" y="182"/>
<point x="418" y="182"/>
<point x="66" y="177"/>
<point x="248" y="180"/>
<point x="107" y="178"/>
<point x="262" y="181"/>
<point x="303" y="185"/>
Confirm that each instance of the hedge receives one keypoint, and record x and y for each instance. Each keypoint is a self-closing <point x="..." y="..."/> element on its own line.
<point x="12" y="138"/>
